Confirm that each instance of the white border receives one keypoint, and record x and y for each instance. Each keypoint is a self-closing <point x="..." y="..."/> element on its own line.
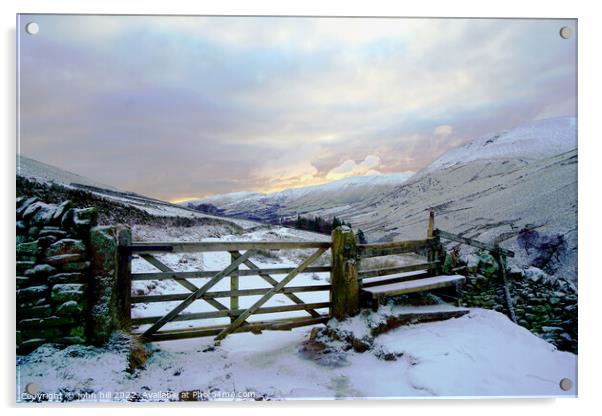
<point x="589" y="183"/>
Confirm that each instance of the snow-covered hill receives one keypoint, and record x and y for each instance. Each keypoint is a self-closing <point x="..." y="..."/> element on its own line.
<point x="31" y="168"/>
<point x="532" y="141"/>
<point x="490" y="189"/>
<point x="290" y="202"/>
<point x="44" y="174"/>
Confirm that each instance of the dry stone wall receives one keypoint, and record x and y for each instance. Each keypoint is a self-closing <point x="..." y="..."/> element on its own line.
<point x="66" y="275"/>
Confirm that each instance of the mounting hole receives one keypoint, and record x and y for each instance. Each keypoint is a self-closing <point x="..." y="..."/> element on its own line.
<point x="32" y="28"/>
<point x="566" y="32"/>
<point x="566" y="384"/>
<point x="32" y="389"/>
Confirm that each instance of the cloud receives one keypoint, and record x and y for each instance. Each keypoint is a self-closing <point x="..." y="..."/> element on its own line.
<point x="183" y="106"/>
<point x="443" y="130"/>
<point x="351" y="168"/>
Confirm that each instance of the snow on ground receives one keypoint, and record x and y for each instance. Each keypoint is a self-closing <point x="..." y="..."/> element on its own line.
<point x="480" y="354"/>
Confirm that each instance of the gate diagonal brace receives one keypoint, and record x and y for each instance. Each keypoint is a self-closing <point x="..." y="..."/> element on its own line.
<point x="274" y="282"/>
<point x="241" y="318"/>
<point x="198" y="294"/>
<point x="182" y="281"/>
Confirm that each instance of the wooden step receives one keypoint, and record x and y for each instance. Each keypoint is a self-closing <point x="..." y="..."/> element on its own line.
<point x="395" y="278"/>
<point x="413" y="286"/>
<point x="419" y="314"/>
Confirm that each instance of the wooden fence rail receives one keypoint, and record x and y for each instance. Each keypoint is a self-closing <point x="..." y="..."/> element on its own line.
<point x="240" y="254"/>
<point x="347" y="280"/>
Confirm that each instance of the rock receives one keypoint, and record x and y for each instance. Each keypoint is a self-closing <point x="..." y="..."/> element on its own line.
<point x="73" y="277"/>
<point x="52" y="231"/>
<point x="66" y="246"/>
<point x="31" y="292"/>
<point x="24" y="265"/>
<point x="39" y="213"/>
<point x="60" y="211"/>
<point x="535" y="274"/>
<point x="360" y="345"/>
<point x="68" y="291"/>
<point x="86" y="216"/>
<point x="70" y="308"/>
<point x="46" y="241"/>
<point x="487" y="265"/>
<point x="33" y="232"/>
<point x="70" y="340"/>
<point x="40" y="311"/>
<point x="40" y="270"/>
<point x="63" y="261"/>
<point x="28" y="249"/>
<point x="67" y="219"/>
<point x="43" y="333"/>
<point x="76" y="266"/>
<point x="45" y="322"/>
<point x="23" y="281"/>
<point x="21" y="228"/>
<point x="31" y="344"/>
<point x="22" y="207"/>
<point x="78" y="331"/>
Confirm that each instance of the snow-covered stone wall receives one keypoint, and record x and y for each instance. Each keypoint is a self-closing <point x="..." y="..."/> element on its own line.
<point x="66" y="275"/>
<point x="546" y="305"/>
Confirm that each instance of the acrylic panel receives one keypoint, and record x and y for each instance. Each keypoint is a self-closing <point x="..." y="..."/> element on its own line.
<point x="288" y="208"/>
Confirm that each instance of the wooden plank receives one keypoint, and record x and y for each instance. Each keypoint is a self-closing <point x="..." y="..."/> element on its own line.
<point x="184" y="247"/>
<point x="227" y="293"/>
<point x="413" y="286"/>
<point x="183" y="282"/>
<point x="396" y="278"/>
<point x="197" y="294"/>
<point x="234" y="282"/>
<point x="274" y="282"/>
<point x="388" y="249"/>
<point x="234" y="313"/>
<point x="253" y="327"/>
<point x="365" y="274"/>
<point x="239" y="321"/>
<point x="124" y="277"/>
<point x="211" y="273"/>
<point x="472" y="242"/>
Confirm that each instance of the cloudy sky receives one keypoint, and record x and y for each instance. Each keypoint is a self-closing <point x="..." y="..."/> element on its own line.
<point x="183" y="107"/>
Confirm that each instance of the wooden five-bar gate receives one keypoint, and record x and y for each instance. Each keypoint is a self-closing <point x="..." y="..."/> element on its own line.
<point x="347" y="289"/>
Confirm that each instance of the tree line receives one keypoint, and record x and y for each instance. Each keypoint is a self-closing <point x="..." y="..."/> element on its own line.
<point x="322" y="225"/>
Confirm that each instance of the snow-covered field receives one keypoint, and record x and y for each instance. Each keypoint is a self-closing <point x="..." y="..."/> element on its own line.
<point x="480" y="354"/>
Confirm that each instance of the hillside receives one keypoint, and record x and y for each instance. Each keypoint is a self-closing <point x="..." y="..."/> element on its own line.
<point x="490" y="188"/>
<point x="53" y="184"/>
<point x="290" y="202"/>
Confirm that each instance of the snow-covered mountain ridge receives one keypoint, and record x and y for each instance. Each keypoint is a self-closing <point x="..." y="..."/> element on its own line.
<point x="531" y="141"/>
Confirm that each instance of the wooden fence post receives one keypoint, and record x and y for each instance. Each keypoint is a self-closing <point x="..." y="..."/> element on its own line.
<point x="502" y="271"/>
<point x="435" y="249"/>
<point x="344" y="291"/>
<point x="233" y="286"/>
<point x="124" y="277"/>
<point x="431" y="226"/>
